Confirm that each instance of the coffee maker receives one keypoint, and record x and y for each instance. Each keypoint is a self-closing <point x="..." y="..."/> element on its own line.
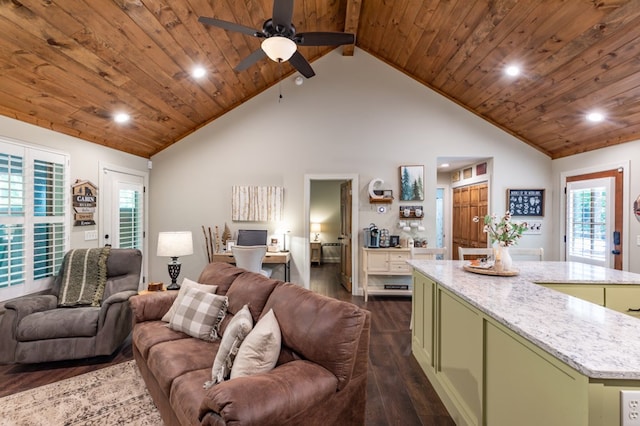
<point x="372" y="236"/>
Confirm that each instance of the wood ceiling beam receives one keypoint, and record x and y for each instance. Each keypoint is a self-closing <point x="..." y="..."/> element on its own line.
<point x="351" y="24"/>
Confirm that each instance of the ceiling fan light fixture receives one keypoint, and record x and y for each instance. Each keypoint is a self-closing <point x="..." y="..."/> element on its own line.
<point x="278" y="48"/>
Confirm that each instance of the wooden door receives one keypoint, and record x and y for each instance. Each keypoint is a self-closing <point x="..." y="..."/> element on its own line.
<point x="469" y="201"/>
<point x="345" y="235"/>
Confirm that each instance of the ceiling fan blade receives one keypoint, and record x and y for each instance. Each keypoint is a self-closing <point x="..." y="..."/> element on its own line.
<point x="231" y="26"/>
<point x="302" y="65"/>
<point x="325" y="39"/>
<point x="282" y="13"/>
<point x="254" y="57"/>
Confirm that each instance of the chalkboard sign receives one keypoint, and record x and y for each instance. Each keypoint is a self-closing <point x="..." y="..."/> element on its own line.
<point x="525" y="202"/>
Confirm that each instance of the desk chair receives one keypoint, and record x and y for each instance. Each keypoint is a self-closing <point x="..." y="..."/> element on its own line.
<point x="527" y="253"/>
<point x="250" y="258"/>
<point x="474" y="251"/>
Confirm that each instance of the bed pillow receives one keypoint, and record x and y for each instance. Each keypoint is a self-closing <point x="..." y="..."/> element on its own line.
<point x="259" y="351"/>
<point x="187" y="284"/>
<point x="199" y="314"/>
<point x="236" y="331"/>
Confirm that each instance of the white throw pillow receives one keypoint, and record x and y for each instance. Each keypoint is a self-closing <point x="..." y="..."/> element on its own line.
<point x="199" y="314"/>
<point x="187" y="284"/>
<point x="236" y="331"/>
<point x="259" y="351"/>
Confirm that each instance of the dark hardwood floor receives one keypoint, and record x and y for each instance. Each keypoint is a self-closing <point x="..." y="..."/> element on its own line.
<point x="398" y="392"/>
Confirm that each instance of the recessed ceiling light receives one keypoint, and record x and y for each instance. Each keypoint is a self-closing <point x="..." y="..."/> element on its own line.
<point x="512" y="70"/>
<point x="198" y="72"/>
<point x="121" y="117"/>
<point x="444" y="165"/>
<point x="595" y="117"/>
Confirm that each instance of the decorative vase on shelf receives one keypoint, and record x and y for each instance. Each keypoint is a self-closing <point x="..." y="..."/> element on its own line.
<point x="503" y="261"/>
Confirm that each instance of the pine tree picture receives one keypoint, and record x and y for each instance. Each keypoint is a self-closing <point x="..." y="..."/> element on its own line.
<point x="411" y="183"/>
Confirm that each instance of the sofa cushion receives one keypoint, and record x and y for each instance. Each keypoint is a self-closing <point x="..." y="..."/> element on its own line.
<point x="199" y="314"/>
<point x="249" y="289"/>
<point x="187" y="395"/>
<point x="220" y="274"/>
<point x="186" y="285"/>
<point x="59" y="323"/>
<point x="259" y="351"/>
<point x="169" y="360"/>
<point x="238" y="328"/>
<point x="149" y="333"/>
<point x="336" y="327"/>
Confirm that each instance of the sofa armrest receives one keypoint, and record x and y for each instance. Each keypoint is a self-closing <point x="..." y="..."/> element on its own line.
<point x="152" y="306"/>
<point x="115" y="300"/>
<point x="28" y="305"/>
<point x="276" y="397"/>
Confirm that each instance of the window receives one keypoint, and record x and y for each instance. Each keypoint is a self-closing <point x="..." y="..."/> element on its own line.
<point x="130" y="227"/>
<point x="33" y="218"/>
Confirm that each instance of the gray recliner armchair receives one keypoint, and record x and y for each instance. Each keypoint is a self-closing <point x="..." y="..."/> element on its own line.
<point x="34" y="329"/>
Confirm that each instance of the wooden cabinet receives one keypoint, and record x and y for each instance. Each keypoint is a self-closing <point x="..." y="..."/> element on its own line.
<point x="316" y="252"/>
<point x="469" y="201"/>
<point x="379" y="261"/>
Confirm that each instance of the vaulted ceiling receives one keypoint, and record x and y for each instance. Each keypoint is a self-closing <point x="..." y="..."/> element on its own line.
<point x="70" y="65"/>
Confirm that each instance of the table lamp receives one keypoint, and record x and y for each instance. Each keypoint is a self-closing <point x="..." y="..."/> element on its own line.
<point x="316" y="228"/>
<point x="174" y="245"/>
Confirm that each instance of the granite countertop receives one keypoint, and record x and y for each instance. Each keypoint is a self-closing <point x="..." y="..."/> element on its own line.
<point x="596" y="341"/>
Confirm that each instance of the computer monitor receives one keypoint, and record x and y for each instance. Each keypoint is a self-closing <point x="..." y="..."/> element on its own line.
<point x="252" y="237"/>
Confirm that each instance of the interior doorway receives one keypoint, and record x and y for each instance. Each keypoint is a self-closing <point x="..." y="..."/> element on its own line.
<point x="337" y="222"/>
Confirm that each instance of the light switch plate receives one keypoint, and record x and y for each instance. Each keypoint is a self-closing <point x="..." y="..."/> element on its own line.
<point x="90" y="235"/>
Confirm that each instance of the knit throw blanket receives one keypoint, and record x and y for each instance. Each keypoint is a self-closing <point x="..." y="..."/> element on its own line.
<point x="84" y="275"/>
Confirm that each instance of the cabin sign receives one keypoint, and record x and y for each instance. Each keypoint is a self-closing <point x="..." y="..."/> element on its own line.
<point x="84" y="195"/>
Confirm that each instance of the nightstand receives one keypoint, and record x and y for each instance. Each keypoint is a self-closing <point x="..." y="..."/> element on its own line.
<point x="316" y="252"/>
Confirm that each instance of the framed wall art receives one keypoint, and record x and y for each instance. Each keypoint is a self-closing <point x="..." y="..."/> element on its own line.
<point x="525" y="202"/>
<point x="411" y="183"/>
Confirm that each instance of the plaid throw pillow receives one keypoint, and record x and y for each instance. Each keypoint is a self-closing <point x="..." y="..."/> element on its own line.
<point x="199" y="314"/>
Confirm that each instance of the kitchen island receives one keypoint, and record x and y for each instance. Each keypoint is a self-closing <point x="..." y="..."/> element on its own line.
<point x="518" y="350"/>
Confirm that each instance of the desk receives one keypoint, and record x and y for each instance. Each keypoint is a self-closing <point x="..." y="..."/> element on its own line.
<point x="270" y="258"/>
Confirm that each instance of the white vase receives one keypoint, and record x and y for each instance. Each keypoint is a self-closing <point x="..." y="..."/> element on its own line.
<point x="503" y="260"/>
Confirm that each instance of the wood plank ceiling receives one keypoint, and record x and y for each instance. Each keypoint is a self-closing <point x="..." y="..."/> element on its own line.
<point x="69" y="65"/>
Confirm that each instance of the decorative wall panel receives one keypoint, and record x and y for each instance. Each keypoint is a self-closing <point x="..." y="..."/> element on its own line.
<point x="257" y="203"/>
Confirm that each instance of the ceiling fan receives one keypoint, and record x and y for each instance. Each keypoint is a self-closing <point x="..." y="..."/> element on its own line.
<point x="280" y="39"/>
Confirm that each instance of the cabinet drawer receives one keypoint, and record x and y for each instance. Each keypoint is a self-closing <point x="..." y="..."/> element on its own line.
<point x="623" y="299"/>
<point x="398" y="257"/>
<point x="398" y="267"/>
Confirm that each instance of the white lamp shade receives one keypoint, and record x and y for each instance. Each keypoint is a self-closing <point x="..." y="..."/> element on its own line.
<point x="278" y="48"/>
<point x="316" y="227"/>
<point x="175" y="244"/>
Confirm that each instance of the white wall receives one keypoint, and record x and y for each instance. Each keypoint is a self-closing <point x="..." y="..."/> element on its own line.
<point x="624" y="154"/>
<point x="357" y="115"/>
<point x="84" y="158"/>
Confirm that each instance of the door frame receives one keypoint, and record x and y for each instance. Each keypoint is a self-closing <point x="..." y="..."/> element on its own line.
<point x="355" y="244"/>
<point x="562" y="222"/>
<point x="103" y="210"/>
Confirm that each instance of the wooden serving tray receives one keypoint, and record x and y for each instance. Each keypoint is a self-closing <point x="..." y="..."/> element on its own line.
<point x="490" y="271"/>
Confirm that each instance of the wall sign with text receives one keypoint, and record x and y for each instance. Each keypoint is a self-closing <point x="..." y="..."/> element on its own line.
<point x="525" y="202"/>
<point x="84" y="201"/>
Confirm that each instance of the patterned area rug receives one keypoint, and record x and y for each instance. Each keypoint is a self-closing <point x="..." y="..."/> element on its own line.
<point x="114" y="395"/>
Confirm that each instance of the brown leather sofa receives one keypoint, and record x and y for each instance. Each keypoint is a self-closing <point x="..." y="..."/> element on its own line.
<point x="320" y="377"/>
